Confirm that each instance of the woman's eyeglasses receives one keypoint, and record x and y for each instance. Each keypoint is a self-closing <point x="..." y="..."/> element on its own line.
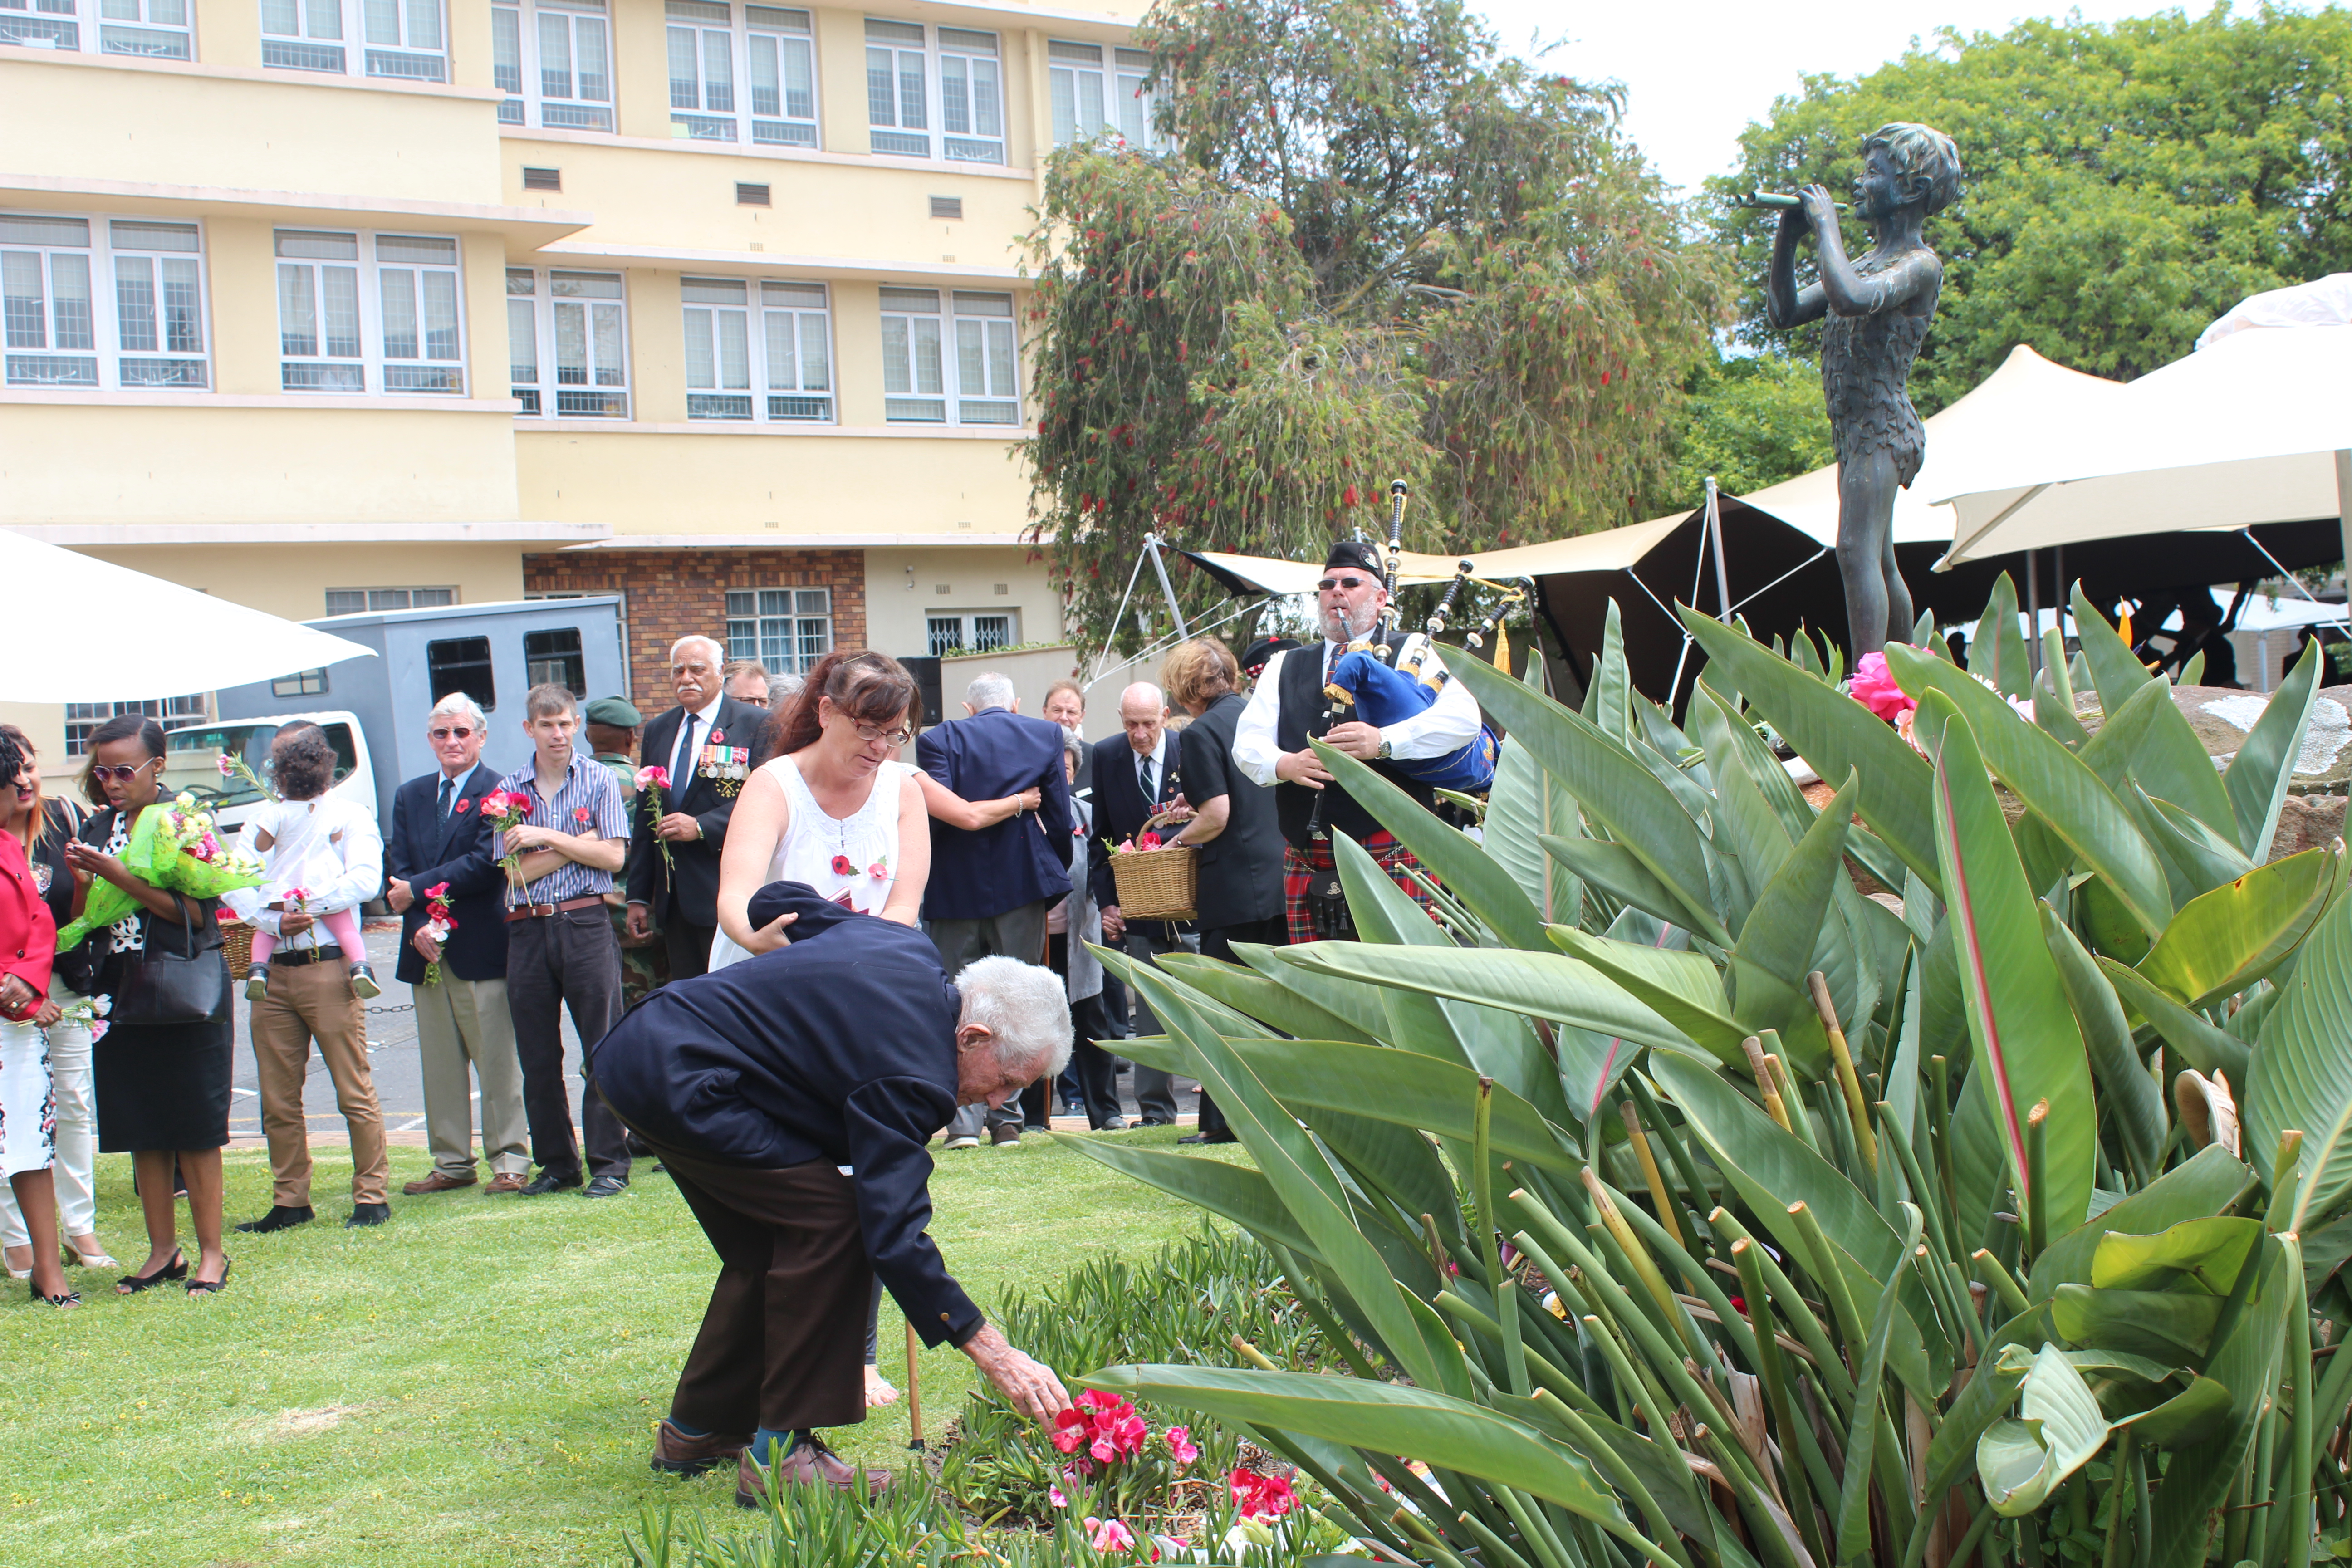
<point x="120" y="775"/>
<point x="453" y="731"/>
<point x="869" y="733"/>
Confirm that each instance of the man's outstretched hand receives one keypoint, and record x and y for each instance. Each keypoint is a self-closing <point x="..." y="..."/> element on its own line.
<point x="1031" y="1385"/>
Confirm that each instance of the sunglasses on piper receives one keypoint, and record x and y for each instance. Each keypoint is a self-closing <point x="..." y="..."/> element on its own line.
<point x="452" y="733"/>
<point x="1349" y="584"/>
<point x="121" y="775"/>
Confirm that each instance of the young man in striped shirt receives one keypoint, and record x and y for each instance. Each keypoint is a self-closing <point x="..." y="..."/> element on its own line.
<point x="572" y="837"/>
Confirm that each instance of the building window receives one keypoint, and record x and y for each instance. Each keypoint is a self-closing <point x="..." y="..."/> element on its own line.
<point x="1088" y="100"/>
<point x="961" y="632"/>
<point x="908" y="66"/>
<point x="554" y="64"/>
<point x="356" y="601"/>
<point x="571" y="323"/>
<point x="402" y="40"/>
<point x="301" y="683"/>
<point x="767" y="353"/>
<point x="157" y="29"/>
<point x="986" y="359"/>
<point x="81" y="718"/>
<point x="719" y="70"/>
<point x="780" y="56"/>
<point x="914" y="385"/>
<point x="553" y="657"/>
<point x="356" y="309"/>
<point x="987" y="391"/>
<point x="62" y="329"/>
<point x="461" y="664"/>
<point x="787" y="629"/>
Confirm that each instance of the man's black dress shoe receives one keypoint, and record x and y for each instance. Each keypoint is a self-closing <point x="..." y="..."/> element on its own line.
<point x="279" y="1217"/>
<point x="548" y="1181"/>
<point x="1207" y="1138"/>
<point x="607" y="1187"/>
<point x="368" y="1213"/>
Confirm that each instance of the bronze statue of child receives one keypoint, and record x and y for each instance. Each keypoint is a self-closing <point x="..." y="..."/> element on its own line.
<point x="1878" y="309"/>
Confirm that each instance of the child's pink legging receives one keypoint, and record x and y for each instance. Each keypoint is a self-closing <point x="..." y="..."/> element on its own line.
<point x="343" y="925"/>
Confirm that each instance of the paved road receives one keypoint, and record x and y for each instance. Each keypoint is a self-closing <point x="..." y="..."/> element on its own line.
<point x="399" y="1087"/>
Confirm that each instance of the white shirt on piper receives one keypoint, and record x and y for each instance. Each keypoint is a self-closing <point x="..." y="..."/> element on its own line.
<point x="1447" y="724"/>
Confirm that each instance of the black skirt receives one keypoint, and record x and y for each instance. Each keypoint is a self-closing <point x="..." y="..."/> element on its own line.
<point x="163" y="1086"/>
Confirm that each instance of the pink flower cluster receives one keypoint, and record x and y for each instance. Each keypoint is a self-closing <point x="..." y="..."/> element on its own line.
<point x="1103" y="1424"/>
<point x="653" y="778"/>
<point x="1873" y="686"/>
<point x="1261" y="1497"/>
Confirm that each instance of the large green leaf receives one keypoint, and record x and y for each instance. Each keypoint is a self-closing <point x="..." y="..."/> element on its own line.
<point x="1610" y="786"/>
<point x="1247" y="992"/>
<point x="1863" y="1442"/>
<point x="2187" y="1418"/>
<point x="2247" y="1364"/>
<point x="1468" y="871"/>
<point x="1617" y="871"/>
<point x="2303" y="1074"/>
<point x="2259" y="775"/>
<point x="1404" y="1089"/>
<point x="2149" y="739"/>
<point x="2021" y="1462"/>
<point x="1235" y="1192"/>
<point x="1682" y="986"/>
<point x="1607" y="701"/>
<point x="2223" y="941"/>
<point x="2055" y="782"/>
<point x="1989" y="1393"/>
<point x="2209" y="1049"/>
<point x="2196" y="858"/>
<point x="2115" y="672"/>
<point x="1524" y="806"/>
<point x="1538" y="984"/>
<point x="1445" y="1432"/>
<point x="2168" y="1325"/>
<point x="2203" y="1185"/>
<point x="1776" y="946"/>
<point x="1836" y="735"/>
<point x="2129" y="1092"/>
<point x="2028" y="1047"/>
<point x="2205" y="1253"/>
<point x="1998" y="650"/>
<point x="1331" y="994"/>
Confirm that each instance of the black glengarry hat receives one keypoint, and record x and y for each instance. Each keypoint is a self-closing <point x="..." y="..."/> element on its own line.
<point x="1353" y="553"/>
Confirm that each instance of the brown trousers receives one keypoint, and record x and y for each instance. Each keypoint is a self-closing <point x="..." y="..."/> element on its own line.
<point x="307" y="1002"/>
<point x="781" y="1343"/>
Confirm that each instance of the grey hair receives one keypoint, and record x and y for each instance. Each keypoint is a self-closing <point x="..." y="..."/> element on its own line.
<point x="1074" y="749"/>
<point x="989" y="691"/>
<point x="782" y="688"/>
<point x="1025" y="1007"/>
<point x="718" y="653"/>
<point x="458" y="702"/>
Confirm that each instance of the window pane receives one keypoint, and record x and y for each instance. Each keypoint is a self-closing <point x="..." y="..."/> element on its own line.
<point x="815" y="358"/>
<point x="717" y="72"/>
<point x="27" y="307"/>
<point x="129" y="235"/>
<point x="760" y="67"/>
<point x="23" y="228"/>
<point x="183" y="320"/>
<point x="77" y="326"/>
<point x="1000" y="358"/>
<point x="440" y="315"/>
<point x="800" y="80"/>
<point x="881" y="103"/>
<point x="595" y="78"/>
<point x="813" y="601"/>
<point x="381" y="18"/>
<point x="783" y="359"/>
<point x="570" y="343"/>
<point x="506" y="48"/>
<point x="588" y="285"/>
<point x="926" y="355"/>
<point x="684" y="90"/>
<point x="320" y="246"/>
<point x="910" y="92"/>
<point x="775" y="602"/>
<point x="1064" y="94"/>
<point x="415" y="248"/>
<point x="700" y="363"/>
<point x="971" y="371"/>
<point x="734" y="350"/>
<point x="987" y="113"/>
<point x="554" y="56"/>
<point x="607" y="320"/>
<point x="134" y="303"/>
<point x="323" y="18"/>
<point x="522" y="343"/>
<point x="739" y="603"/>
<point x="955" y="95"/>
<point x="279" y="16"/>
<point x="424" y="23"/>
<point x="298" y="311"/>
<point x="895" y="356"/>
<point x="399" y="291"/>
<point x="340" y="287"/>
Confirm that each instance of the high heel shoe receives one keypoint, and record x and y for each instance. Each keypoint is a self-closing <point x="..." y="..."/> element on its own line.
<point x="67" y="1298"/>
<point x="73" y="1258"/>
<point x="132" y="1284"/>
<point x="212" y="1287"/>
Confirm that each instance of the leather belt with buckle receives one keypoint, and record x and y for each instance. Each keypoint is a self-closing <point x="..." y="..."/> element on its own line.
<point x="296" y="957"/>
<point x="542" y="911"/>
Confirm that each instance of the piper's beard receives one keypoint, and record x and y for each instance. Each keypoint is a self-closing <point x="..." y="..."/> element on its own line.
<point x="1340" y="627"/>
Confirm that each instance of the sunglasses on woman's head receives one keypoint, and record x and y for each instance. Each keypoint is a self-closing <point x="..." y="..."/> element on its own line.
<point x="101" y="773"/>
<point x="454" y="732"/>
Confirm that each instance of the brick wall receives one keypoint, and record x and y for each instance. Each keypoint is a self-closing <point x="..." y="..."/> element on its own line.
<point x="671" y="593"/>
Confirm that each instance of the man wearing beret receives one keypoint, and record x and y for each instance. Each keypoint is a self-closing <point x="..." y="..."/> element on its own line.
<point x="792" y="1096"/>
<point x="1288" y="706"/>
<point x="705" y="746"/>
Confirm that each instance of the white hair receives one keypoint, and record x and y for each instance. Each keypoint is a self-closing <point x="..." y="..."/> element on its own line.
<point x="1025" y="1007"/>
<point x="989" y="691"/>
<point x="458" y="702"/>
<point x="1149" y="693"/>
<point x="696" y="639"/>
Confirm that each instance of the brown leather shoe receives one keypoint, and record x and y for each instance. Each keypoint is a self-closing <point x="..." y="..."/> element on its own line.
<point x="438" y="1182"/>
<point x="809" y="1464"/>
<point x="505" y="1185"/>
<point x="675" y="1453"/>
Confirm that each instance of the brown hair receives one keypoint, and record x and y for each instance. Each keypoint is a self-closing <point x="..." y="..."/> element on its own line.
<point x="871" y="688"/>
<point x="1067" y="686"/>
<point x="301" y="763"/>
<point x="547" y="698"/>
<point x="1197" y="673"/>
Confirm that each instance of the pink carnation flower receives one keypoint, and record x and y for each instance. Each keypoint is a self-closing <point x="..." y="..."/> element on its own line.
<point x="1180" y="1445"/>
<point x="1108" y="1535"/>
<point x="1873" y="686"/>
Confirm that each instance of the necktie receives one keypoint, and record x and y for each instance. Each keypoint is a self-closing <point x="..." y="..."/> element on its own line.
<point x="1331" y="652"/>
<point x="1144" y="781"/>
<point x="448" y="791"/>
<point x="681" y="767"/>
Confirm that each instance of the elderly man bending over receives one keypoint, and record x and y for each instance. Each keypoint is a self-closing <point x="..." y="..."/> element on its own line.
<point x="792" y="1095"/>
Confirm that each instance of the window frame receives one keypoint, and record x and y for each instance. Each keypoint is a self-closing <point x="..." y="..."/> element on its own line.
<point x="967" y="623"/>
<point x="374" y="319"/>
<point x="92" y="31"/>
<point x="908" y="405"/>
<point x="102" y="258"/>
<point x="1119" y="77"/>
<point x="941" y="56"/>
<point x="740" y="29"/>
<point x="544" y="304"/>
<point x="81" y="718"/>
<point x="787" y="651"/>
<point x="408" y="599"/>
<point x="762" y="396"/>
<point x="355" y="48"/>
<point x="527" y="101"/>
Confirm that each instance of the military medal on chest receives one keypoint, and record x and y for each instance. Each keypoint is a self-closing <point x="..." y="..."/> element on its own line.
<point x="725" y="766"/>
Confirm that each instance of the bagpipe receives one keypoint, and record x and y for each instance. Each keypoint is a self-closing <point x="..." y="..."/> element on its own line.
<point x="1367" y="687"/>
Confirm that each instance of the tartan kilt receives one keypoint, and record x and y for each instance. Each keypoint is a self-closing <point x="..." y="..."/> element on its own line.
<point x="1300" y="867"/>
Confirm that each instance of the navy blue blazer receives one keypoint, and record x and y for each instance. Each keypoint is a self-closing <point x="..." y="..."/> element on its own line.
<point x="684" y="889"/>
<point x="993" y="753"/>
<point x="839" y="1049"/>
<point x="425" y="853"/>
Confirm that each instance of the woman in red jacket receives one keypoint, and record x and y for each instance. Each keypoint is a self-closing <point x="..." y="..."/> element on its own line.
<point x="28" y="942"/>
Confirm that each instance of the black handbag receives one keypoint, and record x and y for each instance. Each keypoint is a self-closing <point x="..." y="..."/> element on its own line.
<point x="159" y="986"/>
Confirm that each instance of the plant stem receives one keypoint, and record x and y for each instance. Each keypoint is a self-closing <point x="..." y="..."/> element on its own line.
<point x="1506" y="1289"/>
<point x="2283" y="1172"/>
<point x="2127" y="1454"/>
<point x="1856" y="1108"/>
<point x="1825" y="1270"/>
<point x="1827" y="1367"/>
<point x="1695" y="1186"/>
<point x="1651" y="1175"/>
<point x="2037" y="1170"/>
<point x="1745" y="1255"/>
<point x="1766" y="1084"/>
<point x="1594" y="1447"/>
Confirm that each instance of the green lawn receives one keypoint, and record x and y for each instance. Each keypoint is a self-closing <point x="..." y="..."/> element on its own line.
<point x="474" y="1383"/>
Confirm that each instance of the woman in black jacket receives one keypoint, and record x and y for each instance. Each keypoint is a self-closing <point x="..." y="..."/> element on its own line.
<point x="163" y="1089"/>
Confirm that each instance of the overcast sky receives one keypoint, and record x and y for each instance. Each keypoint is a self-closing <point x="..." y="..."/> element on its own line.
<point x="1697" y="71"/>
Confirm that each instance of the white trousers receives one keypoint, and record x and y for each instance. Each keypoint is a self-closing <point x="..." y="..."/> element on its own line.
<point x="75" y="1157"/>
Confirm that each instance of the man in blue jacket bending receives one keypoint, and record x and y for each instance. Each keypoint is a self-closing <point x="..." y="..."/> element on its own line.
<point x="791" y="1097"/>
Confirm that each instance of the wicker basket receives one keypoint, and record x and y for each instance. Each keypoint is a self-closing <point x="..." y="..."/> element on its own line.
<point x="236" y="943"/>
<point x="1157" y="884"/>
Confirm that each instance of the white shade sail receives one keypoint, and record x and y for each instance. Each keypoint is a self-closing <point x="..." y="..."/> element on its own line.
<point x="2244" y="431"/>
<point x="86" y="630"/>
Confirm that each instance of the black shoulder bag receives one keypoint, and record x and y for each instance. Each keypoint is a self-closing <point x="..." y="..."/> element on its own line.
<point x="161" y="986"/>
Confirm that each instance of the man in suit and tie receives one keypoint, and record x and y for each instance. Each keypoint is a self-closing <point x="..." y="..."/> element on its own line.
<point x="991" y="887"/>
<point x="705" y="743"/>
<point x="438" y="836"/>
<point x="1136" y="776"/>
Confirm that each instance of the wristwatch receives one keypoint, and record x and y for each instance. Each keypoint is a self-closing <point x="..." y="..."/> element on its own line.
<point x="1385" y="752"/>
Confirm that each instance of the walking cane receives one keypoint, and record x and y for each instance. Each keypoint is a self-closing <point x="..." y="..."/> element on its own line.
<point x="914" y="1394"/>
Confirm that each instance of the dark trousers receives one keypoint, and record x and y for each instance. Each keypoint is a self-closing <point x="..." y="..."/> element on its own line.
<point x="1016" y="934"/>
<point x="782" y="1342"/>
<point x="1155" y="1090"/>
<point x="569" y="959"/>
<point x="1218" y="943"/>
<point x="1090" y="1066"/>
<point x="690" y="947"/>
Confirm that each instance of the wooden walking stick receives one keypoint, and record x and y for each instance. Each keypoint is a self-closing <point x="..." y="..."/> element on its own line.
<point x="914" y="1394"/>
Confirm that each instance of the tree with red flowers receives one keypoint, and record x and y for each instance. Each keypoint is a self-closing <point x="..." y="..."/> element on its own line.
<point x="1383" y="250"/>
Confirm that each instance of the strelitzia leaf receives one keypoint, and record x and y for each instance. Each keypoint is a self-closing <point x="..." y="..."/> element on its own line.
<point x="2187" y="1418"/>
<point x="2302" y="1076"/>
<point x="1524" y="806"/>
<point x="1776" y="946"/>
<point x="1988" y="1392"/>
<point x="2259" y="775"/>
<point x="1998" y="650"/>
<point x="1235" y="1192"/>
<point x="1682" y="986"/>
<point x="1608" y="701"/>
<point x="2246" y="1364"/>
<point x="2200" y="1186"/>
<point x="2150" y="740"/>
<point x="1617" y="871"/>
<point x="2223" y="941"/>
<point x="2129" y="1093"/>
<point x="2021" y="1462"/>
<point x="2196" y="859"/>
<point x="2205" y="1253"/>
<point x="2159" y="1323"/>
<point x="2115" y="672"/>
<point x="2209" y="1049"/>
<point x="1539" y="985"/>
<point x="1246" y="991"/>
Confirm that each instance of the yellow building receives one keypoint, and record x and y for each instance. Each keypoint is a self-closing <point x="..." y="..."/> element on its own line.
<point x="327" y="305"/>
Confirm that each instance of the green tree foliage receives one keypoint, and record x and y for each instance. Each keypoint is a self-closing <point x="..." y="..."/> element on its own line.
<point x="1750" y="422"/>
<point x="2127" y="183"/>
<point x="1381" y="250"/>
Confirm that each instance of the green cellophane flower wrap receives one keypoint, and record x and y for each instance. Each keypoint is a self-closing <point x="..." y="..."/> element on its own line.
<point x="172" y="846"/>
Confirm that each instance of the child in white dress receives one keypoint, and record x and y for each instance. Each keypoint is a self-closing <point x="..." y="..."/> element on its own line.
<point x="302" y="836"/>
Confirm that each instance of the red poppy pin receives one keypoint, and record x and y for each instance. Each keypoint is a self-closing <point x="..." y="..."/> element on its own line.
<point x="716" y="736"/>
<point x="583" y="815"/>
<point x="462" y="807"/>
<point x="842" y="866"/>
